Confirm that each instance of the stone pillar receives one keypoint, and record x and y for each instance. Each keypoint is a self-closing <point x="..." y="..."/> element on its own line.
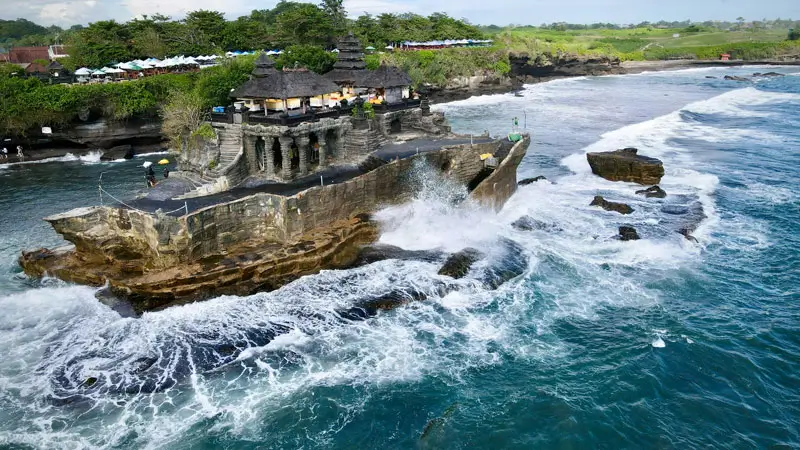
<point x="286" y="170"/>
<point x="269" y="163"/>
<point x="338" y="150"/>
<point x="303" y="148"/>
<point x="323" y="152"/>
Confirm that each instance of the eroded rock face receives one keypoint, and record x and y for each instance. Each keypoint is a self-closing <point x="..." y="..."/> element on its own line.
<point x="621" y="208"/>
<point x="527" y="181"/>
<point x="118" y="152"/>
<point x="626" y="165"/>
<point x="628" y="233"/>
<point x="653" y="192"/>
<point x="458" y="264"/>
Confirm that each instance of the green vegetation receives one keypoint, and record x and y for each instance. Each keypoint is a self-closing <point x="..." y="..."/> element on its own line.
<point x="794" y="35"/>
<point x="312" y="57"/>
<point x="439" y="66"/>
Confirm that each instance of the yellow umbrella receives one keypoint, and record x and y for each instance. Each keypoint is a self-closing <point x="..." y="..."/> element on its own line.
<point x="163" y="161"/>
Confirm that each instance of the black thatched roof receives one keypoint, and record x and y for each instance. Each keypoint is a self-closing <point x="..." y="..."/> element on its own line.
<point x="264" y="66"/>
<point x="350" y="56"/>
<point x="55" y="65"/>
<point x="385" y="77"/>
<point x="267" y="82"/>
<point x="347" y="77"/>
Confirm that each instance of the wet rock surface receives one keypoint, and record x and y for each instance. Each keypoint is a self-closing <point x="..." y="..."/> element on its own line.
<point x="768" y="74"/>
<point x="458" y="264"/>
<point x="118" y="152"/>
<point x="628" y="233"/>
<point x="528" y="223"/>
<point x="653" y="192"/>
<point x="621" y="208"/>
<point x="735" y="78"/>
<point x="626" y="165"/>
<point x="527" y="181"/>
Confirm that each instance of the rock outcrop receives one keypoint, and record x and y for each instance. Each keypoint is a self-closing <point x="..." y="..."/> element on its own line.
<point x="621" y="208"/>
<point x="528" y="223"/>
<point x="768" y="74"/>
<point x="527" y="181"/>
<point x="653" y="192"/>
<point x="118" y="152"/>
<point x="628" y="233"/>
<point x="544" y="66"/>
<point x="735" y="78"/>
<point x="458" y="264"/>
<point x="626" y="165"/>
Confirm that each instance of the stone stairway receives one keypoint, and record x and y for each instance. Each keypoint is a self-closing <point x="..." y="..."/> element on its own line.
<point x="230" y="151"/>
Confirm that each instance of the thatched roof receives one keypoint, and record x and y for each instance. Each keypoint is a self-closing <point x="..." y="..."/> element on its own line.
<point x="267" y="82"/>
<point x="384" y="77"/>
<point x="55" y="65"/>
<point x="347" y="77"/>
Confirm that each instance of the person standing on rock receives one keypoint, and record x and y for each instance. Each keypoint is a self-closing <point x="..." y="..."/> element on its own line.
<point x="166" y="172"/>
<point x="19" y="153"/>
<point x="5" y="153"/>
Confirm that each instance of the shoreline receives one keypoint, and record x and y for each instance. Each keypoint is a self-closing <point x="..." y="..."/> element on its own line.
<point x="504" y="85"/>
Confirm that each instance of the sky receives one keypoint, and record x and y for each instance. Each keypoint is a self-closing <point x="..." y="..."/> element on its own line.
<point x="482" y="12"/>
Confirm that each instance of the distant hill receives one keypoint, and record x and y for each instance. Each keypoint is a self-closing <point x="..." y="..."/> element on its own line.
<point x="12" y="31"/>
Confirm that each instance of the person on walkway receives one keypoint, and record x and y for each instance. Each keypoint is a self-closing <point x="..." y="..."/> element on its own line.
<point x="5" y="153"/>
<point x="166" y="172"/>
<point x="19" y="153"/>
<point x="151" y="177"/>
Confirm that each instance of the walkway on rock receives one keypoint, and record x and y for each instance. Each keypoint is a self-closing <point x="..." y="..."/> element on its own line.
<point x="161" y="196"/>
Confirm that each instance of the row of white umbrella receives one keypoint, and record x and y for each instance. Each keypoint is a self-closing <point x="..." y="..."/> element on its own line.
<point x="150" y="63"/>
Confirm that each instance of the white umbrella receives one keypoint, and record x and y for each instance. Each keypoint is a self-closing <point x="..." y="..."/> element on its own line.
<point x="98" y="73"/>
<point x="83" y="71"/>
<point x="147" y="164"/>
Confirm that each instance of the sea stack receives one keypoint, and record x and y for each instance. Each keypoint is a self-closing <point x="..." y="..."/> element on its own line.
<point x="626" y="165"/>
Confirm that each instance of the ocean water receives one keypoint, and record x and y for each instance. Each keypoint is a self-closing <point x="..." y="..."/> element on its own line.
<point x="656" y="343"/>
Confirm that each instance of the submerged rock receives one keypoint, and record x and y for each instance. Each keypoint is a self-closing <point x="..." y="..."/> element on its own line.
<point x="710" y="77"/>
<point x="380" y="252"/>
<point x="626" y="165"/>
<point x="768" y="74"/>
<point x="653" y="192"/>
<point x="528" y="223"/>
<point x="628" y="233"/>
<point x="458" y="264"/>
<point x="621" y="208"/>
<point x="531" y="180"/>
<point x="735" y="78"/>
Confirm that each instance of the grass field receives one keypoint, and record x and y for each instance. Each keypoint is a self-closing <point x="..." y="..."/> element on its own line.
<point x="647" y="43"/>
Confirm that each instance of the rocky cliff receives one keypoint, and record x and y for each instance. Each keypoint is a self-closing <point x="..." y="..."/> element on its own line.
<point x="545" y="66"/>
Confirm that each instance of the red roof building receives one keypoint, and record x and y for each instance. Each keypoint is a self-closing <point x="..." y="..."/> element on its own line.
<point x="22" y="55"/>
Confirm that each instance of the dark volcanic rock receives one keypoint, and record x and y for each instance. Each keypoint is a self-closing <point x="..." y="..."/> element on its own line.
<point x="688" y="235"/>
<point x="626" y="165"/>
<point x="118" y="152"/>
<point x="735" y="78"/>
<point x="710" y="77"/>
<point x="458" y="264"/>
<point x="530" y="180"/>
<point x="653" y="192"/>
<point x="381" y="252"/>
<point x="528" y="223"/>
<point x="768" y="74"/>
<point x="621" y="208"/>
<point x="627" y="233"/>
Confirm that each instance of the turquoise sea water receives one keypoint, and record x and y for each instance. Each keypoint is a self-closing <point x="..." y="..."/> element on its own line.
<point x="657" y="343"/>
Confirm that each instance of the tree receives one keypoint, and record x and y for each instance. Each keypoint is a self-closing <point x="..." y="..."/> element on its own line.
<point x="100" y="43"/>
<point x="740" y="22"/>
<point x="794" y="35"/>
<point x="304" y="23"/>
<point x="312" y="57"/>
<point x="208" y="24"/>
<point x="337" y="15"/>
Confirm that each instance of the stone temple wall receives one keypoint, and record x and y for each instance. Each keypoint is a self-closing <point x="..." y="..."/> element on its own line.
<point x="151" y="242"/>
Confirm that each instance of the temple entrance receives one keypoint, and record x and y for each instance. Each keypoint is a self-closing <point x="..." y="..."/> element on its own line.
<point x="395" y="126"/>
<point x="332" y="141"/>
<point x="277" y="157"/>
<point x="261" y="155"/>
<point x="294" y="157"/>
<point x="313" y="156"/>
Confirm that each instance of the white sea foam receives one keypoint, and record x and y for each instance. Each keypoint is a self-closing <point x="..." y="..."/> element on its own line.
<point x="92" y="157"/>
<point x="658" y="343"/>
